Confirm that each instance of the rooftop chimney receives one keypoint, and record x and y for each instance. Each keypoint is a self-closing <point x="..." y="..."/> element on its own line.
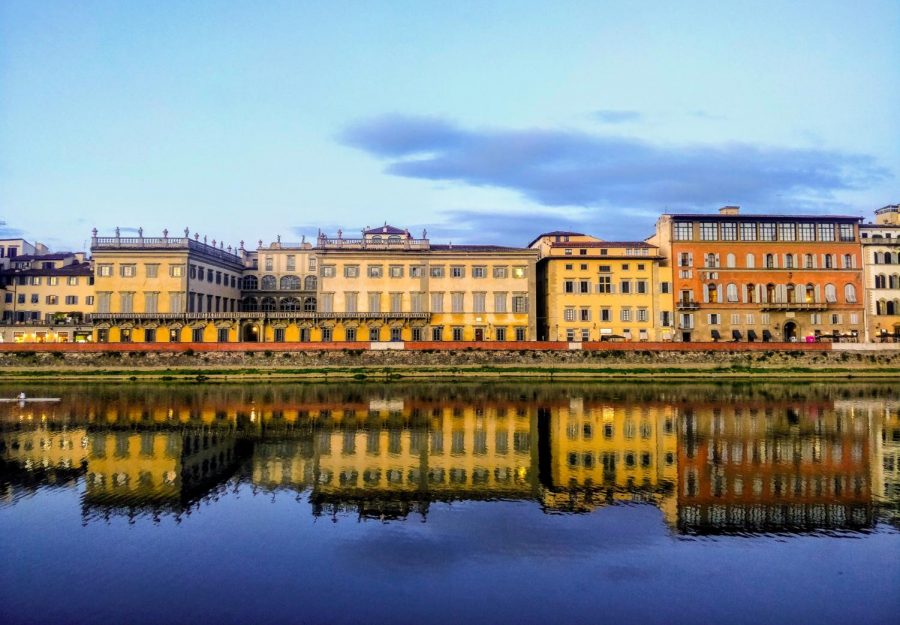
<point x="729" y="210"/>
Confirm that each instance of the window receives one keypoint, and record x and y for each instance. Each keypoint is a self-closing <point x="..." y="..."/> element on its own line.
<point x="809" y="261"/>
<point x="501" y="271"/>
<point x="787" y="232"/>
<point x="151" y="302"/>
<point x="437" y="303"/>
<point x="708" y="231"/>
<point x="766" y="232"/>
<point x="395" y="271"/>
<point x="478" y="302"/>
<point x="437" y="333"/>
<point x="606" y="314"/>
<point x="103" y="302"/>
<point x="830" y="293"/>
<point x="104" y="271"/>
<point x="417" y="302"/>
<point x="789" y="261"/>
<point x="176" y="302"/>
<point x="713" y="319"/>
<point x="500" y="334"/>
<point x="683" y="231"/>
<point x="457" y="334"/>
<point x="396" y="334"/>
<point x="375" y="302"/>
<point x="197" y="335"/>
<point x="520" y="334"/>
<point x="569" y="286"/>
<point x="641" y="286"/>
<point x="642" y="314"/>
<point x="126" y="302"/>
<point x="850" y="293"/>
<point x="72" y="281"/>
<point x="828" y="261"/>
<point x="291" y="262"/>
<point x="731" y="292"/>
<point x="625" y="287"/>
<point x="396" y="302"/>
<point x="846" y="232"/>
<point x="34" y="300"/>
<point x="807" y="232"/>
<point x="729" y="231"/>
<point x="437" y="271"/>
<point x="569" y="314"/>
<point x="71" y="300"/>
<point x="826" y="232"/>
<point x="375" y="271"/>
<point x="457" y="271"/>
<point x="500" y="300"/>
<point x="328" y="271"/>
<point x="584" y="314"/>
<point x="176" y="271"/>
<point x="665" y="287"/>
<point x="518" y="272"/>
<point x="520" y="303"/>
<point x="222" y="335"/>
<point x="584" y="286"/>
<point x="151" y="270"/>
<point x="456" y="302"/>
<point x="748" y="232"/>
<point x="625" y="314"/>
<point x="604" y="284"/>
<point x="268" y="283"/>
<point x="479" y="271"/>
<point x="52" y="300"/>
<point x="416" y="271"/>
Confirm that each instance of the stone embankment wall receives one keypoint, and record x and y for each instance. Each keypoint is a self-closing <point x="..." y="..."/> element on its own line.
<point x="269" y="357"/>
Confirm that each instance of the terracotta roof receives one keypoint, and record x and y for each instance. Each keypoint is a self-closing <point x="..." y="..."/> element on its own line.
<point x="604" y="244"/>
<point x="39" y="257"/>
<point x="75" y="269"/>
<point x="385" y="229"/>
<point x="556" y="233"/>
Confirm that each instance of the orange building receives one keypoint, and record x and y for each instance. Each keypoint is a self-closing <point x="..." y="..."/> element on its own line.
<point x="764" y="277"/>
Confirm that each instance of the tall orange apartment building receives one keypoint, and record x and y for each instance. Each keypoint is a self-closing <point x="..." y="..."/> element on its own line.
<point x="764" y="277"/>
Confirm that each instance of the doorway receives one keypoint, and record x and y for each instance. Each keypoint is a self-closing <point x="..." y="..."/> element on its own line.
<point x="479" y="334"/>
<point x="250" y="334"/>
<point x="790" y="331"/>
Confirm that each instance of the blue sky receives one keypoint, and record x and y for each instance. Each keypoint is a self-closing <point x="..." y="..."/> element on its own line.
<point x="484" y="122"/>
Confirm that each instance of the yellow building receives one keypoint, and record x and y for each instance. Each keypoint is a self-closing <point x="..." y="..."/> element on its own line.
<point x="599" y="448"/>
<point x="165" y="289"/>
<point x="46" y="298"/>
<point x="881" y="263"/>
<point x="595" y="290"/>
<point x="388" y="286"/>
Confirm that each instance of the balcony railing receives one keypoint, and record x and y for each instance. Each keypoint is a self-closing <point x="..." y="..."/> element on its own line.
<point x="687" y="305"/>
<point x="279" y="314"/>
<point x="794" y="306"/>
<point x="368" y="244"/>
<point x="167" y="243"/>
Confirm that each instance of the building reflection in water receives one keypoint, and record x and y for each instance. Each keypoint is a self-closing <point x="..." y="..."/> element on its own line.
<point x="714" y="459"/>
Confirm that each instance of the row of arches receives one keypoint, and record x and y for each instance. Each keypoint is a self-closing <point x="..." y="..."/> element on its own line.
<point x="271" y="283"/>
<point x="887" y="258"/>
<point x="776" y="293"/>
<point x="887" y="307"/>
<point x="281" y="304"/>
<point x="883" y="281"/>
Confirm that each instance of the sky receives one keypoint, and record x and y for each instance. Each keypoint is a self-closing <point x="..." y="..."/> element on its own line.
<point x="482" y="122"/>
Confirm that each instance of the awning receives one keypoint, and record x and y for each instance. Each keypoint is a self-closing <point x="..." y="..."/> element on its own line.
<point x="715" y="334"/>
<point x="767" y="336"/>
<point x="736" y="335"/>
<point x="751" y="335"/>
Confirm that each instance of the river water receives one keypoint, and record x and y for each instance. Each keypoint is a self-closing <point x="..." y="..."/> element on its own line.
<point x="448" y="503"/>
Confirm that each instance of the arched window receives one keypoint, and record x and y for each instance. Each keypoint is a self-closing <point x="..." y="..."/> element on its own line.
<point x="894" y="281"/>
<point x="879" y="258"/>
<point x="751" y="261"/>
<point x="289" y="304"/>
<point x="393" y="239"/>
<point x="890" y="308"/>
<point x="731" y="293"/>
<point x="880" y="307"/>
<point x="309" y="304"/>
<point x="850" y="293"/>
<point x="830" y="293"/>
<point x="770" y="261"/>
<point x="250" y="283"/>
<point x="810" y="294"/>
<point x="789" y="261"/>
<point x="880" y="281"/>
<point x="791" y="294"/>
<point x="267" y="304"/>
<point x="770" y="293"/>
<point x="268" y="283"/>
<point x="848" y="261"/>
<point x="309" y="283"/>
<point x="290" y="283"/>
<point x="751" y="293"/>
<point x="829" y="261"/>
<point x="376" y="238"/>
<point x="809" y="262"/>
<point x="250" y="304"/>
<point x="712" y="293"/>
<point x="730" y="261"/>
<point x="710" y="260"/>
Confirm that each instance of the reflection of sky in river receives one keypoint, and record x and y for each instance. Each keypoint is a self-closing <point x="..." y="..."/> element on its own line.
<point x="246" y="555"/>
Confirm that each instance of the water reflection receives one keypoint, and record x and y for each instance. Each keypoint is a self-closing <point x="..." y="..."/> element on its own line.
<point x="713" y="458"/>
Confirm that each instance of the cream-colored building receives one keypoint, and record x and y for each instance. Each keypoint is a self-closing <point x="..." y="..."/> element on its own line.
<point x="165" y="289"/>
<point x="388" y="286"/>
<point x="881" y="261"/>
<point x="594" y="290"/>
<point x="46" y="297"/>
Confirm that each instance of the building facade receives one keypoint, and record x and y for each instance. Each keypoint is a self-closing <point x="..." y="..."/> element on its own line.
<point x="160" y="289"/>
<point x="764" y="277"/>
<point x="881" y="259"/>
<point x="594" y="290"/>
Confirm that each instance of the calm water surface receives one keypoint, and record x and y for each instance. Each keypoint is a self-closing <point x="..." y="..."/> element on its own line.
<point x="444" y="503"/>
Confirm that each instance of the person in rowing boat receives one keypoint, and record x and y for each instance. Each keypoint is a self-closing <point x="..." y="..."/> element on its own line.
<point x="21" y="396"/>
